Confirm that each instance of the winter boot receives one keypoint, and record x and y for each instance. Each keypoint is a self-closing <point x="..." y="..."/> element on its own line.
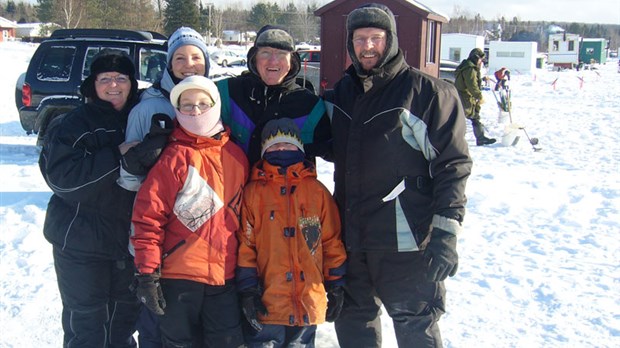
<point x="479" y="133"/>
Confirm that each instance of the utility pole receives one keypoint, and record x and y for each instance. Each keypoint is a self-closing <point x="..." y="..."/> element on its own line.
<point x="209" y="6"/>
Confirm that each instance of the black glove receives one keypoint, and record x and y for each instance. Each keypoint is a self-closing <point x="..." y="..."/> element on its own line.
<point x="441" y="255"/>
<point x="140" y="158"/>
<point x="149" y="292"/>
<point x="335" y="299"/>
<point x="251" y="304"/>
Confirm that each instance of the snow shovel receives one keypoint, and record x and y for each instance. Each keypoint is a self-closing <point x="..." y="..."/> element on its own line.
<point x="533" y="141"/>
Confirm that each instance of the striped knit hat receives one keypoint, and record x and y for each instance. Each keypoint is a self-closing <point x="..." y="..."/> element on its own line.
<point x="281" y="130"/>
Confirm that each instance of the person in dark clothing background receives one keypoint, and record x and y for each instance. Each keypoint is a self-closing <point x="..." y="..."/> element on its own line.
<point x="468" y="82"/>
<point x="269" y="92"/>
<point x="401" y="165"/>
<point x="88" y="215"/>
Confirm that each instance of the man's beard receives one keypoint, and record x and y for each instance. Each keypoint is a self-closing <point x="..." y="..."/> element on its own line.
<point x="377" y="56"/>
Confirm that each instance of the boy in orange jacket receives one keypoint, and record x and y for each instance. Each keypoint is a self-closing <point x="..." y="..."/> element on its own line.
<point x="290" y="250"/>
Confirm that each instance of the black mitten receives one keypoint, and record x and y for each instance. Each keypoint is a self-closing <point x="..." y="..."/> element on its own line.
<point x="335" y="300"/>
<point x="140" y="158"/>
<point x="251" y="304"/>
<point x="443" y="261"/>
<point x="149" y="292"/>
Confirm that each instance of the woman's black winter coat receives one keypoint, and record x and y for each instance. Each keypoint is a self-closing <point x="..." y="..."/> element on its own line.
<point x="88" y="212"/>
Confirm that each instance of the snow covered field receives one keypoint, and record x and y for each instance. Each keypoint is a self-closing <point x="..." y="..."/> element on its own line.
<point x="540" y="254"/>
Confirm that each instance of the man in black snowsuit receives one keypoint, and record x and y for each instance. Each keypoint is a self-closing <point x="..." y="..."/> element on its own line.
<point x="468" y="82"/>
<point x="401" y="164"/>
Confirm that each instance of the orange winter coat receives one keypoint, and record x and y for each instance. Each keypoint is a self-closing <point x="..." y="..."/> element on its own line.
<point x="290" y="241"/>
<point x="187" y="211"/>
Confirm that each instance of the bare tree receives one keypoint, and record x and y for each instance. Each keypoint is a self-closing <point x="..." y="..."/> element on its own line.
<point x="308" y="24"/>
<point x="70" y="12"/>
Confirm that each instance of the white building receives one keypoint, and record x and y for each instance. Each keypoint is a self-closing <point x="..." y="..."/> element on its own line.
<point x="456" y="46"/>
<point x="564" y="50"/>
<point x="515" y="55"/>
<point x="237" y="37"/>
<point x="35" y="29"/>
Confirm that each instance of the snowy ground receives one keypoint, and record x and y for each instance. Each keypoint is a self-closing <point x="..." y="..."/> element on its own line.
<point x="540" y="254"/>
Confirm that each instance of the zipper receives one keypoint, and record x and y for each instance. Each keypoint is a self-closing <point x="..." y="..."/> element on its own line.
<point x="292" y="249"/>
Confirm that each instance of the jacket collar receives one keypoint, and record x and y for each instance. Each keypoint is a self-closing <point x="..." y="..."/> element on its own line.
<point x="379" y="77"/>
<point x="182" y="136"/>
<point x="263" y="171"/>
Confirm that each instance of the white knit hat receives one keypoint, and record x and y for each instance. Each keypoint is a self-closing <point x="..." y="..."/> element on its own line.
<point x="194" y="82"/>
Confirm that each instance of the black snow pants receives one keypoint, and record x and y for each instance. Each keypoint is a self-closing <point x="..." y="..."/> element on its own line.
<point x="200" y="315"/>
<point x="398" y="281"/>
<point x="99" y="310"/>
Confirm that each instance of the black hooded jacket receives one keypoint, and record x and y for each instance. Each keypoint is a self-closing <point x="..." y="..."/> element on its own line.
<point x="88" y="213"/>
<point x="248" y="104"/>
<point x="401" y="160"/>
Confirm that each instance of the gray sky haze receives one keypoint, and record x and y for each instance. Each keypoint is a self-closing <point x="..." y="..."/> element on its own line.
<point x="593" y="11"/>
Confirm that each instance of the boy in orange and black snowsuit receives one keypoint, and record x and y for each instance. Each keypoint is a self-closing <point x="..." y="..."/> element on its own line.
<point x="290" y="250"/>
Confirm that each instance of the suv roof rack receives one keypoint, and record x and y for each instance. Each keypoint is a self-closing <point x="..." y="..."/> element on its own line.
<point x="107" y="33"/>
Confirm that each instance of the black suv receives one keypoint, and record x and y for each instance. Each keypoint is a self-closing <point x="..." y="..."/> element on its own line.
<point x="51" y="84"/>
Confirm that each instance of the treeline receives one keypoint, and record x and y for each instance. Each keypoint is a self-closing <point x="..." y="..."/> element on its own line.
<point x="298" y="16"/>
<point x="166" y="15"/>
<point x="518" y="30"/>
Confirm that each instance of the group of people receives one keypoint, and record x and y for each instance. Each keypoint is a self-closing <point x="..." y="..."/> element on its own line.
<point x="192" y="213"/>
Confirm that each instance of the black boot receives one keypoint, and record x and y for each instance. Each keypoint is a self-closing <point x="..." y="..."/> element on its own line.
<point x="479" y="133"/>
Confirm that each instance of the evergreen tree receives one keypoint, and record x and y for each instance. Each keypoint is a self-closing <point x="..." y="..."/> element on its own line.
<point x="10" y="8"/>
<point x="179" y="13"/>
<point x="262" y="14"/>
<point x="45" y="10"/>
<point x="288" y="19"/>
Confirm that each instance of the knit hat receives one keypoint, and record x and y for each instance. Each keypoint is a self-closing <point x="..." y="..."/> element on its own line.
<point x="372" y="16"/>
<point x="279" y="38"/>
<point x="195" y="82"/>
<point x="476" y="54"/>
<point x="281" y="130"/>
<point x="109" y="60"/>
<point x="187" y="36"/>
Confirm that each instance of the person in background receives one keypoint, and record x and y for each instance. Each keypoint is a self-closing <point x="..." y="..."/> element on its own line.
<point x="185" y="217"/>
<point x="468" y="83"/>
<point x="88" y="215"/>
<point x="269" y="92"/>
<point x="149" y="126"/>
<point x="290" y="252"/>
<point x="400" y="167"/>
<point x="502" y="76"/>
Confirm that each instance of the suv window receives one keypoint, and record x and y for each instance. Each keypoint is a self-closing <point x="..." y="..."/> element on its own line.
<point x="152" y="64"/>
<point x="91" y="52"/>
<point x="56" y="64"/>
<point x="311" y="56"/>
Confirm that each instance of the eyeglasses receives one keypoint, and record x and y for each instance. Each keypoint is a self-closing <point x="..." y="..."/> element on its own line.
<point x="359" y="41"/>
<point x="267" y="54"/>
<point x="119" y="79"/>
<point x="190" y="107"/>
